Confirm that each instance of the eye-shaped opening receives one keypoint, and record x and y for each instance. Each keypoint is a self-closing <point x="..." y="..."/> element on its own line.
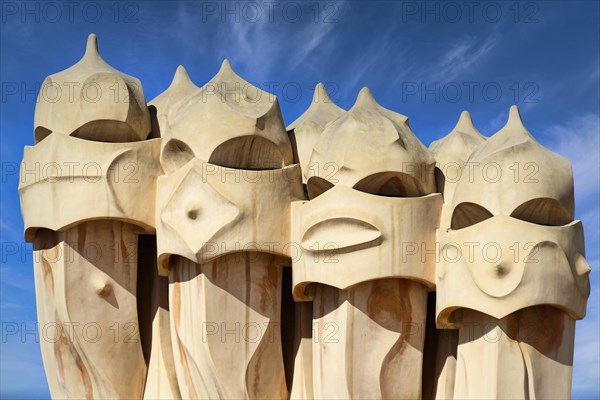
<point x="467" y="214"/>
<point x="175" y="155"/>
<point x="390" y="184"/>
<point x="440" y="181"/>
<point x="542" y="211"/>
<point x="247" y="152"/>
<point x="40" y="133"/>
<point x="351" y="235"/>
<point x="106" y="130"/>
<point x="316" y="186"/>
<point x="154" y="125"/>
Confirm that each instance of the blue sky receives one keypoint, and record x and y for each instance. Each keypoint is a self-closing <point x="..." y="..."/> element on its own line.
<point x="428" y="61"/>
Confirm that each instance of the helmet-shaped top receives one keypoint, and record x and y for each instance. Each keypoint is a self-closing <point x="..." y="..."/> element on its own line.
<point x="371" y="149"/>
<point x="512" y="174"/>
<point x="92" y="100"/>
<point x="228" y="122"/>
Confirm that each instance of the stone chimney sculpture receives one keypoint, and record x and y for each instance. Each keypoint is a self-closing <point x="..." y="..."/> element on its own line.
<point x="371" y="185"/>
<point x="512" y="268"/>
<point x="87" y="190"/>
<point x="223" y="228"/>
<point x="195" y="247"/>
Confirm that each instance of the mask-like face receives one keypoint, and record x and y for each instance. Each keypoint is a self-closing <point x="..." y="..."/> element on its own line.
<point x="513" y="242"/>
<point x="118" y="179"/>
<point x="228" y="187"/>
<point x="366" y="243"/>
<point x="372" y="213"/>
<point x="504" y="264"/>
<point x="207" y="211"/>
<point x="346" y="237"/>
<point x="223" y="233"/>
<point x="87" y="190"/>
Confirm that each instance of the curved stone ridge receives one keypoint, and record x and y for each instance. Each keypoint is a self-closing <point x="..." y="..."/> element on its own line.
<point x="307" y="128"/>
<point x="92" y="100"/>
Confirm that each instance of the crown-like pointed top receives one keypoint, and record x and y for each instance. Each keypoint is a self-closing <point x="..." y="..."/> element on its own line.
<point x="365" y="98"/>
<point x="227" y="74"/>
<point x="87" y="119"/>
<point x="92" y="43"/>
<point x="465" y="123"/>
<point x="91" y="49"/>
<point x="181" y="87"/>
<point x="226" y="68"/>
<point x="181" y="77"/>
<point x="322" y="109"/>
<point x="514" y="118"/>
<point x="457" y="145"/>
<point x="320" y="95"/>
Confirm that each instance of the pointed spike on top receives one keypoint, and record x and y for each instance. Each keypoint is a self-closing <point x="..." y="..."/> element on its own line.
<point x="91" y="48"/>
<point x="92" y="43"/>
<point x="365" y="97"/>
<point x="514" y="118"/>
<point x="465" y="123"/>
<point x="320" y="95"/>
<point x="181" y="76"/>
<point x="226" y="66"/>
<point x="226" y="72"/>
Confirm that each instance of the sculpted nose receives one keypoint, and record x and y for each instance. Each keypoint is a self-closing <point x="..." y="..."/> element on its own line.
<point x="185" y="211"/>
<point x="502" y="269"/>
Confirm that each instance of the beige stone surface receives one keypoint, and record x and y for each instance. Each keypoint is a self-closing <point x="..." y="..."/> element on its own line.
<point x="87" y="191"/>
<point x="228" y="122"/>
<point x="451" y="155"/>
<point x="512" y="268"/>
<point x="345" y="237"/>
<point x="223" y="230"/>
<point x="306" y="129"/>
<point x="92" y="100"/>
<point x="80" y="180"/>
<point x="362" y="240"/>
<point x="368" y="340"/>
<point x="522" y="176"/>
<point x="225" y="327"/>
<point x="373" y="150"/>
<point x="527" y="355"/>
<point x="205" y="211"/>
<point x="180" y="89"/>
<point x="85" y="280"/>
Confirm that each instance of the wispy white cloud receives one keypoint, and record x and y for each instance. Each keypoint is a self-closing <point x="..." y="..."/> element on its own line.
<point x="9" y="231"/>
<point x="464" y="55"/>
<point x="578" y="139"/>
<point x="13" y="276"/>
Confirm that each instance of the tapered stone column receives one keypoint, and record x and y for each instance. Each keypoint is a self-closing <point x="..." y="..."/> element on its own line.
<point x="512" y="275"/>
<point x="451" y="155"/>
<point x="361" y="254"/>
<point x="223" y="237"/>
<point x="84" y="201"/>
